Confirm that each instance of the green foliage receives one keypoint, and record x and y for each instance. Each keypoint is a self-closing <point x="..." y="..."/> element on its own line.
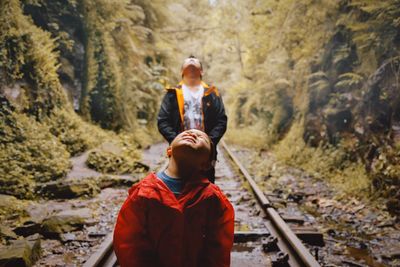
<point x="319" y="89"/>
<point x="119" y="37"/>
<point x="324" y="162"/>
<point x="27" y="52"/>
<point x="380" y="30"/>
<point x="348" y="82"/>
<point x="340" y="60"/>
<point x="42" y="45"/>
<point x="29" y="154"/>
<point x="386" y="167"/>
<point x="76" y="134"/>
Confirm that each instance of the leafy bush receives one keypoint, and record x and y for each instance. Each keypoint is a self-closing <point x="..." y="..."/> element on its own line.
<point x="29" y="153"/>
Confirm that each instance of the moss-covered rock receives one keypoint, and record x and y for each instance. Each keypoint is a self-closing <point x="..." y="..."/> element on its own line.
<point x="67" y="189"/>
<point x="115" y="181"/>
<point x="54" y="226"/>
<point x="116" y="156"/>
<point x="6" y="233"/>
<point x="11" y="207"/>
<point x="21" y="253"/>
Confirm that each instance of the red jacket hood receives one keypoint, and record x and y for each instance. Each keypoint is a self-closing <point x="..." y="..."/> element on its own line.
<point x="151" y="187"/>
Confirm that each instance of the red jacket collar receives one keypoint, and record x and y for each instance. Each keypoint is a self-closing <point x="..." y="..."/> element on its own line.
<point x="152" y="187"/>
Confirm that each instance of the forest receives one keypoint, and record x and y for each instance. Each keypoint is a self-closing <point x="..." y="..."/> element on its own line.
<point x="312" y="84"/>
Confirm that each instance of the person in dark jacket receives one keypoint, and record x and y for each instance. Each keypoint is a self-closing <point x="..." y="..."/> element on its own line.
<point x="193" y="104"/>
<point x="176" y="218"/>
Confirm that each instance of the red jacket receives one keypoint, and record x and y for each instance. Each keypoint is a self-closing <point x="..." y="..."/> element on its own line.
<point x="155" y="229"/>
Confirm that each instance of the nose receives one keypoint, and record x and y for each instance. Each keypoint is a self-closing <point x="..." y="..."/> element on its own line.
<point x="191" y="133"/>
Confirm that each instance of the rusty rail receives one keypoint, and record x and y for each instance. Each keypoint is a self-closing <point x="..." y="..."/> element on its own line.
<point x="105" y="256"/>
<point x="287" y="241"/>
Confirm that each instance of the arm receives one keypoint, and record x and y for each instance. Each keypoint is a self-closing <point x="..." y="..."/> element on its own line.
<point x="221" y="121"/>
<point x="219" y="236"/>
<point x="164" y="119"/>
<point x="131" y="244"/>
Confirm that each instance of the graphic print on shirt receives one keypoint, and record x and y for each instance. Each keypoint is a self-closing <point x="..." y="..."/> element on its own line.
<point x="193" y="116"/>
<point x="193" y="113"/>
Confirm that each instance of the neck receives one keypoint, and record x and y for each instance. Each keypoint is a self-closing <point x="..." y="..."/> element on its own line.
<point x="178" y="171"/>
<point x="192" y="85"/>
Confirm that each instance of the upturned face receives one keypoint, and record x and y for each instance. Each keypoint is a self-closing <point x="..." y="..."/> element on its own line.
<point x="191" y="76"/>
<point x="192" y="147"/>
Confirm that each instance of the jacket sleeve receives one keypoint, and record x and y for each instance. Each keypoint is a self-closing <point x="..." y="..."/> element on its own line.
<point x="164" y="119"/>
<point x="131" y="244"/>
<point x="219" y="236"/>
<point x="219" y="129"/>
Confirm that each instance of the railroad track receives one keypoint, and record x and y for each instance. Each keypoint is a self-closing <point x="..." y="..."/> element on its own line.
<point x="258" y="225"/>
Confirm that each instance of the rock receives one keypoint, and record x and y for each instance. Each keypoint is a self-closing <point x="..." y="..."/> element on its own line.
<point x="115" y="181"/>
<point x="20" y="253"/>
<point x="68" y="237"/>
<point x="68" y="189"/>
<point x="10" y="206"/>
<point x="286" y="179"/>
<point x="141" y="166"/>
<point x="84" y="213"/>
<point x="6" y="232"/>
<point x="393" y="205"/>
<point x="56" y="225"/>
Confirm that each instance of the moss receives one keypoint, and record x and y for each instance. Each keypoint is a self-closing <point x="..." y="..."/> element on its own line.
<point x="48" y="48"/>
<point x="55" y="225"/>
<point x="71" y="188"/>
<point x="21" y="253"/>
<point x="116" y="156"/>
<point x="76" y="134"/>
<point x="119" y="87"/>
<point x="342" y="120"/>
<point x="11" y="208"/>
<point x="324" y="162"/>
<point x="29" y="153"/>
<point x="385" y="169"/>
<point x="27" y="52"/>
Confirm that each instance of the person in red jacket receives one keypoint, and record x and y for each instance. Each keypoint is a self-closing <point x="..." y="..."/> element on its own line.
<point x="177" y="218"/>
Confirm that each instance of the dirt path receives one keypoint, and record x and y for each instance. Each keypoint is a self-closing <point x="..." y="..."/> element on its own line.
<point x="99" y="212"/>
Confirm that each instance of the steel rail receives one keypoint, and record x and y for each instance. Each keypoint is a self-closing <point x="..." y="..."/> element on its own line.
<point x="105" y="256"/>
<point x="288" y="242"/>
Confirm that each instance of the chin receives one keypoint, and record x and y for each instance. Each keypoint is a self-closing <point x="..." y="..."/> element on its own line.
<point x="185" y="142"/>
<point x="184" y="149"/>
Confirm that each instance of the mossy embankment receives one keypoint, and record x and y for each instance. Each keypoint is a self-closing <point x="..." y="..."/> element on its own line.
<point x="320" y="88"/>
<point x="75" y="75"/>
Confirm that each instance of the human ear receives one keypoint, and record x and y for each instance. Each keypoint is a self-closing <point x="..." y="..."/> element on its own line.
<point x="169" y="152"/>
